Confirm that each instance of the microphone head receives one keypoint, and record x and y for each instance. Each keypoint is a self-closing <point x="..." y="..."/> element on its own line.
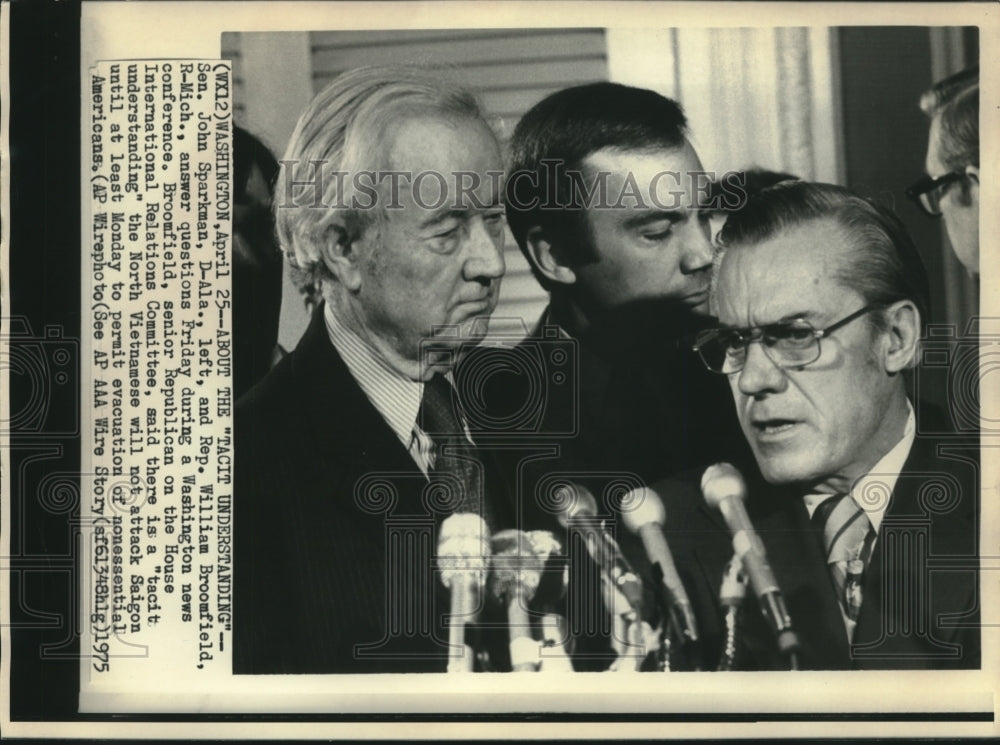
<point x="721" y="482"/>
<point x="579" y="503"/>
<point x="462" y="524"/>
<point x="641" y="507"/>
<point x="519" y="558"/>
<point x="463" y="546"/>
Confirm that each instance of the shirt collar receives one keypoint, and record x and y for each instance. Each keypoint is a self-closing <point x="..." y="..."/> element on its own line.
<point x="394" y="396"/>
<point x="872" y="492"/>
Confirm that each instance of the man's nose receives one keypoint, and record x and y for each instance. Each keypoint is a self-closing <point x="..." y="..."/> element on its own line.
<point x="760" y="374"/>
<point x="485" y="252"/>
<point x="698" y="248"/>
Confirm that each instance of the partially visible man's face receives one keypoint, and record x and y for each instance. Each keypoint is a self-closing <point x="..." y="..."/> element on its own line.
<point x="658" y="248"/>
<point x="427" y="265"/>
<point x="254" y="243"/>
<point x="825" y="424"/>
<point x="961" y="215"/>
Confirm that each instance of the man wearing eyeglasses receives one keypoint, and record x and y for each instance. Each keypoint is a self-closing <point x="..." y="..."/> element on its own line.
<point x="951" y="187"/>
<point x="820" y="298"/>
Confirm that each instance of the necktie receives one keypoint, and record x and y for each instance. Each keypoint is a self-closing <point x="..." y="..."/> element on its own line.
<point x="456" y="463"/>
<point x="848" y="536"/>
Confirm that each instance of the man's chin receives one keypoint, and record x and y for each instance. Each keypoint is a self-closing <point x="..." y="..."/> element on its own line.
<point x="784" y="472"/>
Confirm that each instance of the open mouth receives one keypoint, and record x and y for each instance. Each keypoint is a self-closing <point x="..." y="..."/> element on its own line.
<point x="773" y="427"/>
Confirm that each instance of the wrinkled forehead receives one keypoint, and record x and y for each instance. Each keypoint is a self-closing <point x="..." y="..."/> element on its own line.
<point x="794" y="272"/>
<point x="445" y="158"/>
<point x="430" y="139"/>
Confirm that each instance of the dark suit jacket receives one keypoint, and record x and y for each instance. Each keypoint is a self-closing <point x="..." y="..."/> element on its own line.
<point x="619" y="409"/>
<point x="333" y="537"/>
<point x="626" y="405"/>
<point x="921" y="601"/>
<point x="630" y="397"/>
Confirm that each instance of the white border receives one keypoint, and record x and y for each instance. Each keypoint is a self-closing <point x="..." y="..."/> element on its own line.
<point x="173" y="29"/>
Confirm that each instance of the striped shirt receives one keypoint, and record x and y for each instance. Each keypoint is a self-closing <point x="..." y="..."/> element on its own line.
<point x="873" y="491"/>
<point x="394" y="396"/>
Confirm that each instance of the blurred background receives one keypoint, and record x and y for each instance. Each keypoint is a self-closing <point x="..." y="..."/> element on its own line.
<point x="827" y="104"/>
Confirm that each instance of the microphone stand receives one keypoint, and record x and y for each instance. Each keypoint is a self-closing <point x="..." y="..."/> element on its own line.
<point x="680" y="648"/>
<point x="555" y="657"/>
<point x="631" y="629"/>
<point x="731" y="594"/>
<point x="724" y="489"/>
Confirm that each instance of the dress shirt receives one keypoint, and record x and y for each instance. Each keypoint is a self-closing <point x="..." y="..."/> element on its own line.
<point x="394" y="396"/>
<point x="872" y="492"/>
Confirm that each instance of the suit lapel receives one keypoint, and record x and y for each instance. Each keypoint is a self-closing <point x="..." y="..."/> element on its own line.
<point x="796" y="557"/>
<point x="346" y="426"/>
<point x="361" y="481"/>
<point x="905" y="632"/>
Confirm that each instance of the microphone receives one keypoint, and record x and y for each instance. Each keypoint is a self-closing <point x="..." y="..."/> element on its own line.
<point x="463" y="552"/>
<point x="556" y="641"/>
<point x="732" y="590"/>
<point x="724" y="489"/>
<point x="644" y="514"/>
<point x="604" y="551"/>
<point x="621" y="587"/>
<point x="518" y="560"/>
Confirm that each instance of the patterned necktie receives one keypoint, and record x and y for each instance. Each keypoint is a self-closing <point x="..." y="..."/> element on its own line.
<point x="456" y="462"/>
<point x="848" y="537"/>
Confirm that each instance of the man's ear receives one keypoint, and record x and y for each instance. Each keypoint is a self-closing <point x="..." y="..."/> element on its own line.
<point x="902" y="336"/>
<point x="340" y="255"/>
<point x="973" y="174"/>
<point x="546" y="257"/>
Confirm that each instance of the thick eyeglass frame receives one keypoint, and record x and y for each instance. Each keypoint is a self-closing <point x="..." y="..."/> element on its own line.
<point x="927" y="192"/>
<point x="758" y="334"/>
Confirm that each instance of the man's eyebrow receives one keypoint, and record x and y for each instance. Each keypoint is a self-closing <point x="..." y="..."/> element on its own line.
<point x="650" y="216"/>
<point x="443" y="215"/>
<point x="799" y="315"/>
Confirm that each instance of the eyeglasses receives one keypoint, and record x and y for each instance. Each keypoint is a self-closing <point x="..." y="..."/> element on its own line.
<point x="792" y="343"/>
<point x="927" y="192"/>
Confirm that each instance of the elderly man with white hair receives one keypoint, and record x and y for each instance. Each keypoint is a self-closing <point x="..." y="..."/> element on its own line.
<point x="389" y="200"/>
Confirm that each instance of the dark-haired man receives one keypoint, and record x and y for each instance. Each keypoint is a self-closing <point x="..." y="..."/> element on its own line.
<point x="605" y="199"/>
<point x="609" y="203"/>
<point x="871" y="524"/>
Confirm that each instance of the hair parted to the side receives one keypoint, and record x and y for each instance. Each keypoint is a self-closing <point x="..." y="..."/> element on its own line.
<point x="884" y="266"/>
<point x="342" y="132"/>
<point x="551" y="142"/>
<point x="955" y="100"/>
